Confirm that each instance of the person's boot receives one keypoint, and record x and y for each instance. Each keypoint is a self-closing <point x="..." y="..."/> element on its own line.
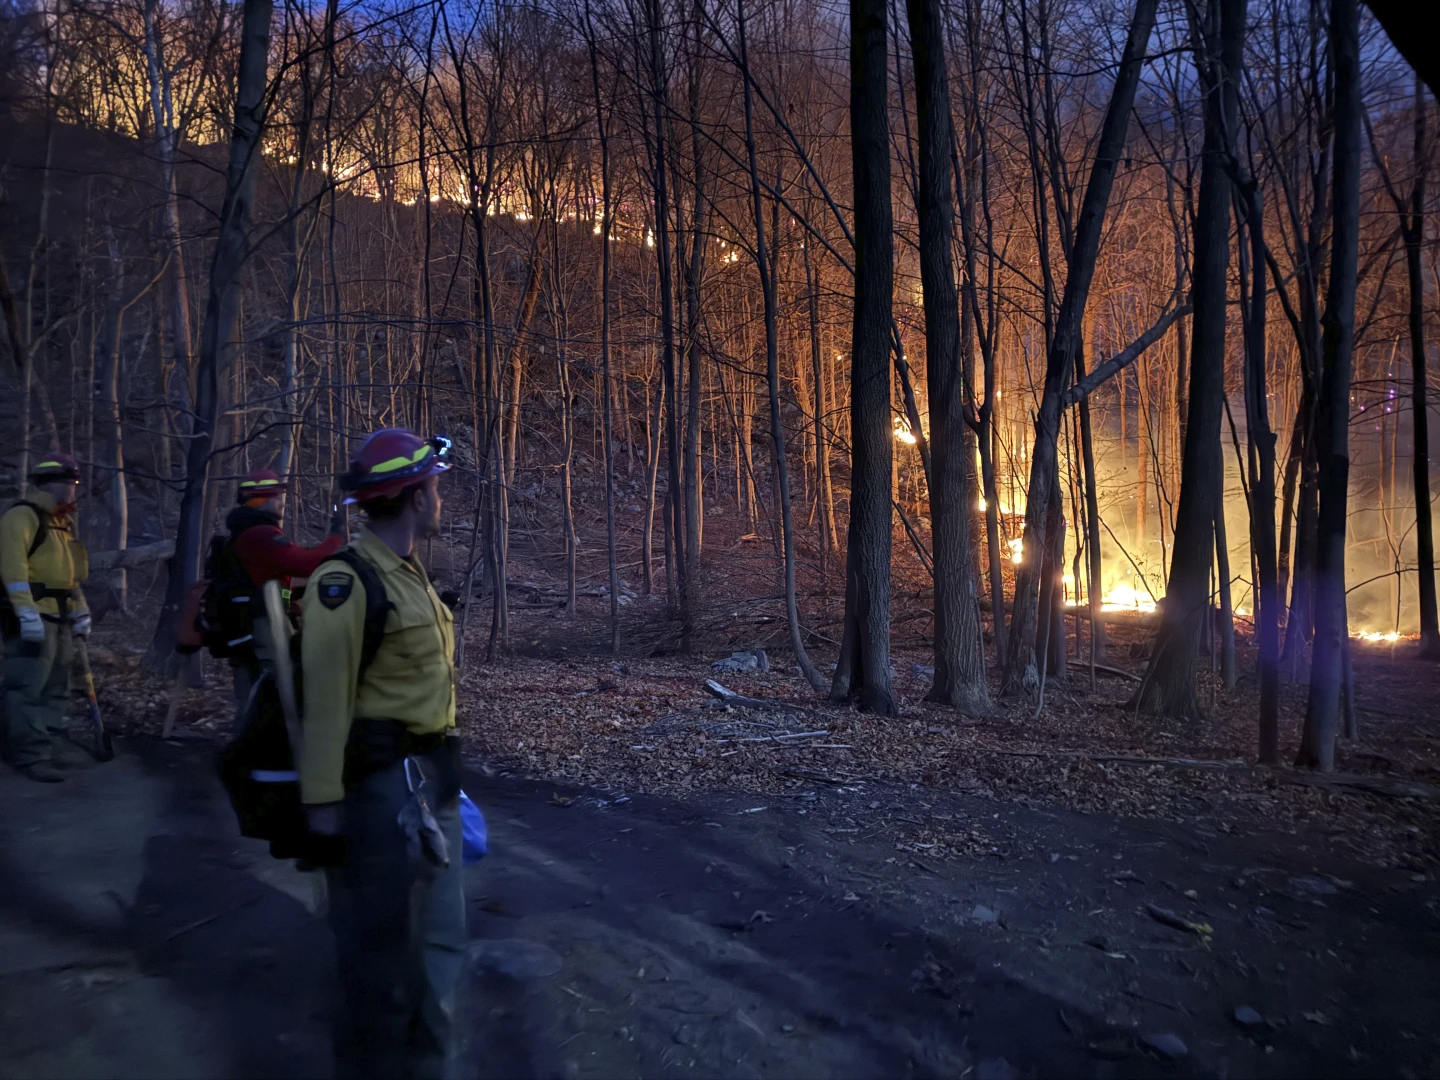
<point x="43" y="772"/>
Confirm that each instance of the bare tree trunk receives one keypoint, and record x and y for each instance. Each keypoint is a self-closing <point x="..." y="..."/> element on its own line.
<point x="1412" y="231"/>
<point x="824" y="494"/>
<point x="602" y="128"/>
<point x="221" y="328"/>
<point x="674" y="540"/>
<point x="1322" y="710"/>
<point x="567" y="453"/>
<point x="652" y="445"/>
<point x="959" y="653"/>
<point x="863" y="668"/>
<point x="694" y="273"/>
<point x="1020" y="650"/>
<point x="1169" y="686"/>
<point x="107" y="374"/>
<point x="177" y="300"/>
<point x="772" y="374"/>
<point x="1262" y="484"/>
<point x="1092" y="523"/>
<point x="1222" y="581"/>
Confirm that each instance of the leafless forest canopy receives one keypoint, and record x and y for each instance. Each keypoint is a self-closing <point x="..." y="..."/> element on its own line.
<point x="1144" y="311"/>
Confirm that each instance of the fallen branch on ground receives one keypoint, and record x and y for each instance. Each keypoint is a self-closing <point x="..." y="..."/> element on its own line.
<point x="729" y="697"/>
<point x="773" y="738"/>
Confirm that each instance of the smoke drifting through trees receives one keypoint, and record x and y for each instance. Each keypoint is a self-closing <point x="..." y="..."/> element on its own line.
<point x="781" y="265"/>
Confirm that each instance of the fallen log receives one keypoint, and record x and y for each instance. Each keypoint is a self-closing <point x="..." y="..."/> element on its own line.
<point x="1125" y="759"/>
<point x="729" y="697"/>
<point x="1389" y="787"/>
<point x="129" y="558"/>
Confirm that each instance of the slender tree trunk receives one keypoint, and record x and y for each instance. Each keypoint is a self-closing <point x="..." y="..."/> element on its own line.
<point x="863" y="668"/>
<point x="652" y="444"/>
<point x="107" y="372"/>
<point x="1293" y="456"/>
<point x="222" y="325"/>
<point x="1226" y="613"/>
<point x="694" y="272"/>
<point x="772" y="374"/>
<point x="1262" y="488"/>
<point x="567" y="453"/>
<point x="674" y="540"/>
<point x="1322" y="710"/>
<point x="602" y="128"/>
<point x="1169" y="685"/>
<point x="1020" y="650"/>
<point x="177" y="287"/>
<point x="1413" y="233"/>
<point x="959" y="653"/>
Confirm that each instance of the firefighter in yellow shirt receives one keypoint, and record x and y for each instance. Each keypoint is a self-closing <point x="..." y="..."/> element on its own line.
<point x="42" y="564"/>
<point x="371" y="741"/>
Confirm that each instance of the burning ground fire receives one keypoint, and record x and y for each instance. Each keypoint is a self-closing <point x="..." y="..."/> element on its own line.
<point x="1127" y="598"/>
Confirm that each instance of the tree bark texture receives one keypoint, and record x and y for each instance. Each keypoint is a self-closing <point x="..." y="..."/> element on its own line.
<point x="863" y="669"/>
<point x="959" y="655"/>
<point x="1322" y="710"/>
<point x="1169" y="685"/>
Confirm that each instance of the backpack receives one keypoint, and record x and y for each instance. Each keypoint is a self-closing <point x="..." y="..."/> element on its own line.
<point x="228" y="603"/>
<point x="257" y="765"/>
<point x="9" y="623"/>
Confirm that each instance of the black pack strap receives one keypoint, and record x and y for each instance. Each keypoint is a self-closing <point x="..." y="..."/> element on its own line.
<point x="40" y="591"/>
<point x="42" y="523"/>
<point x="377" y="605"/>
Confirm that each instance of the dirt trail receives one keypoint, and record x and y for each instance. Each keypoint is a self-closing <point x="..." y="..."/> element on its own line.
<point x="642" y="937"/>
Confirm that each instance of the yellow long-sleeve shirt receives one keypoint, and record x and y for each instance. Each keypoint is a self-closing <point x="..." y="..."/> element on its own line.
<point x="411" y="679"/>
<point x="60" y="563"/>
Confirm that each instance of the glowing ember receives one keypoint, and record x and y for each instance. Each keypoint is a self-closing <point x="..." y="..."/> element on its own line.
<point x="1375" y="635"/>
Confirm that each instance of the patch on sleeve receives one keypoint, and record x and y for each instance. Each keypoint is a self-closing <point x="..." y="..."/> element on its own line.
<point x="335" y="590"/>
<point x="281" y="539"/>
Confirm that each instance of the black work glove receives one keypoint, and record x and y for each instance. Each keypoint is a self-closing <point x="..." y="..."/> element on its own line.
<point x="326" y="842"/>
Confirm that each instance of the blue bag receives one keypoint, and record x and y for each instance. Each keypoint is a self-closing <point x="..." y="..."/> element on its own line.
<point x="472" y="828"/>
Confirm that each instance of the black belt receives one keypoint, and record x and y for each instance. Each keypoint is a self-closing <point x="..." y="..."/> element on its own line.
<point x="375" y="745"/>
<point x="40" y="591"/>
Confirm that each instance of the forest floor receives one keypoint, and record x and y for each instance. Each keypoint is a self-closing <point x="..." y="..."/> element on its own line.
<point x="1080" y="893"/>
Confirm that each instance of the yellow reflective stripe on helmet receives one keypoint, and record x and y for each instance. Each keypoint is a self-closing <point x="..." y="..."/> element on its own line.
<point x="258" y="483"/>
<point x="49" y="465"/>
<point x="401" y="462"/>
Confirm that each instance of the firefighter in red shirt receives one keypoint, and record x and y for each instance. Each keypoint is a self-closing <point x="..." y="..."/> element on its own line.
<point x="265" y="553"/>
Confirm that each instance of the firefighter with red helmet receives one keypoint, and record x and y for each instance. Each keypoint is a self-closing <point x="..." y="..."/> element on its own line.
<point x="42" y="563"/>
<point x="375" y="744"/>
<point x="265" y="553"/>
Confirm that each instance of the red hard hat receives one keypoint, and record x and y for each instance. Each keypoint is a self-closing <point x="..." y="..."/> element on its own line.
<point x="56" y="465"/>
<point x="261" y="484"/>
<point x="392" y="460"/>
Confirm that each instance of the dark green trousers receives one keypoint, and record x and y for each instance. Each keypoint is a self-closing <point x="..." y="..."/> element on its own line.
<point x="400" y="939"/>
<point x="37" y="692"/>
